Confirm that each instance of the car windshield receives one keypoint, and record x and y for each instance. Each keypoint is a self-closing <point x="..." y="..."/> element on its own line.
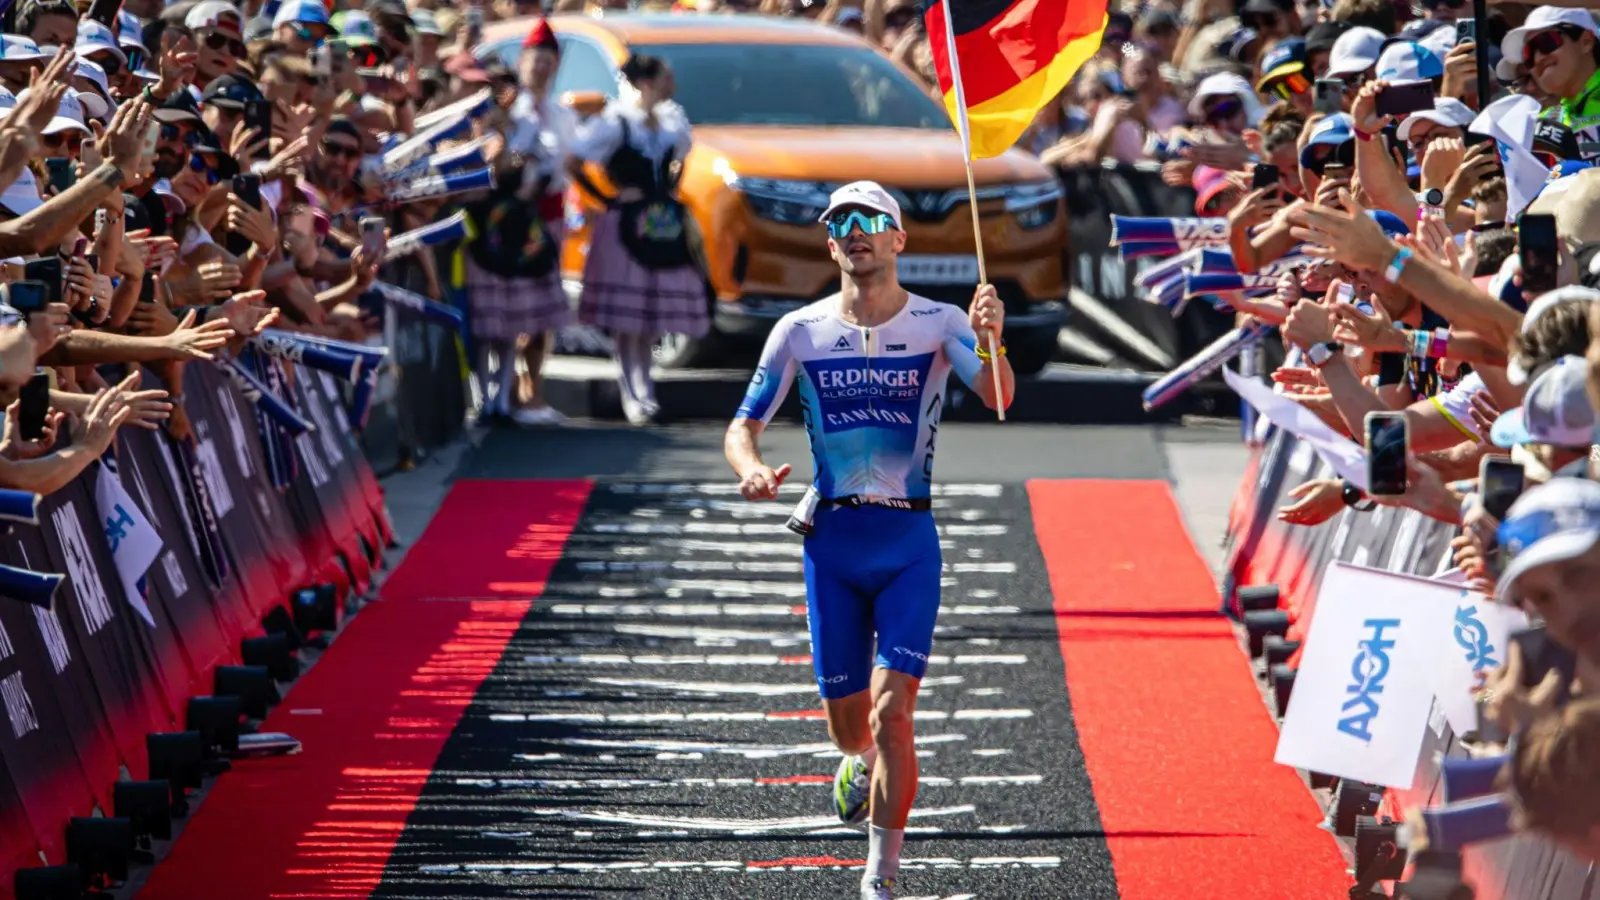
<point x="819" y="85"/>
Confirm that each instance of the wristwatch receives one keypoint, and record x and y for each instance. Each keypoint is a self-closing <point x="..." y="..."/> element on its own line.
<point x="1319" y="354"/>
<point x="1432" y="197"/>
<point x="1353" y="498"/>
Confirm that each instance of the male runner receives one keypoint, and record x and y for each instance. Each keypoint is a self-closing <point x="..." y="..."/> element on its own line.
<point x="873" y="361"/>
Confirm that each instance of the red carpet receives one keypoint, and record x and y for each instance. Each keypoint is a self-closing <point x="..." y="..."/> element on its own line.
<point x="1175" y="736"/>
<point x="374" y="713"/>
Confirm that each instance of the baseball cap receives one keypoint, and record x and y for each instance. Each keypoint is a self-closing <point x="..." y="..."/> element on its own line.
<point x="1409" y="61"/>
<point x="68" y="117"/>
<point x="1331" y="131"/>
<point x="94" y="37"/>
<point x="355" y="28"/>
<point x="301" y="12"/>
<point x="1357" y="50"/>
<point x="22" y="196"/>
<point x="97" y="103"/>
<point x="1554" y="411"/>
<point x="1323" y="35"/>
<point x="180" y="106"/>
<point x="1545" y="18"/>
<point x="867" y="194"/>
<point x="1552" y="136"/>
<point x="1222" y="84"/>
<point x="16" y="48"/>
<point x="424" y="22"/>
<point x="230" y="92"/>
<point x="1392" y="225"/>
<point x="215" y="14"/>
<point x="1286" y="58"/>
<point x="1553" y="522"/>
<point x="1446" y="111"/>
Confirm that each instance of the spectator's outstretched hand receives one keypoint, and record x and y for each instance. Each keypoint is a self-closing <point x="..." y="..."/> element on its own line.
<point x="192" y="341"/>
<point x="1511" y="705"/>
<point x="1308" y="324"/>
<point x="1364" y="111"/>
<point x="148" y="409"/>
<point x="177" y="66"/>
<point x="1257" y="208"/>
<point x="107" y="411"/>
<point x="1374" y="331"/>
<point x="14" y="447"/>
<point x="1441" y="160"/>
<point x="1481" y="407"/>
<point x="124" y="142"/>
<point x="49" y="325"/>
<point x="1315" y="502"/>
<point x="218" y="279"/>
<point x="46" y="87"/>
<point x="152" y="320"/>
<point x="288" y="162"/>
<point x="1347" y="235"/>
<point x="247" y="314"/>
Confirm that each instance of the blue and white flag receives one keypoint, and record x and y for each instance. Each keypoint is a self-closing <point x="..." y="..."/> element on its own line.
<point x="1365" y="686"/>
<point x="1186" y="233"/>
<point x="134" y="542"/>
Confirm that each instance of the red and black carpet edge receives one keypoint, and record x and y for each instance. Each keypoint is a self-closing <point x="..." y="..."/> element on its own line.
<point x="1178" y="743"/>
<point x="375" y="710"/>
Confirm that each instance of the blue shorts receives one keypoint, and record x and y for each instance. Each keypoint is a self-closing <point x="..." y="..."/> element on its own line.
<point x="870" y="572"/>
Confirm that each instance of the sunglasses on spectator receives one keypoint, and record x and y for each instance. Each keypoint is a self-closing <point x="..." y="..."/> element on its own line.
<point x="1324" y="155"/>
<point x="111" y="65"/>
<point x="364" y="57"/>
<point x="900" y="18"/>
<point x="1544" y="42"/>
<point x="135" y="60"/>
<point x="841" y="223"/>
<point x="332" y="148"/>
<point x="197" y="163"/>
<point x="305" y="32"/>
<point x="1223" y="109"/>
<point x="169" y="133"/>
<point x="216" y="40"/>
<point x="1482" y="227"/>
<point x="1290" y="85"/>
<point x="71" y="140"/>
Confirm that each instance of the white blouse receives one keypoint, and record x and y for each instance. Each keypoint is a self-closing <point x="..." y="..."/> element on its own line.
<point x="601" y="137"/>
<point x="543" y="132"/>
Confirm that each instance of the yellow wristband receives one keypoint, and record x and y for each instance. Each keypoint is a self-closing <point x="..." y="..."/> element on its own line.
<point x="984" y="354"/>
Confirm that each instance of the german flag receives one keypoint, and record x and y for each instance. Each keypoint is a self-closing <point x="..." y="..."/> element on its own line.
<point x="1015" y="56"/>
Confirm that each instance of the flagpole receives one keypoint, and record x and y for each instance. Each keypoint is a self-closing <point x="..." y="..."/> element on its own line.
<point x="965" y="130"/>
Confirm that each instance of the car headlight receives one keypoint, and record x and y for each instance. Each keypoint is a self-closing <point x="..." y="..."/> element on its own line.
<point x="789" y="202"/>
<point x="1034" y="204"/>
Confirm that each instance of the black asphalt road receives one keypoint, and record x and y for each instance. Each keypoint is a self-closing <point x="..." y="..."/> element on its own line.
<point x="653" y="727"/>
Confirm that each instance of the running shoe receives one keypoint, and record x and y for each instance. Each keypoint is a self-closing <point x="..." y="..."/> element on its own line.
<point x="878" y="889"/>
<point x="852" y="788"/>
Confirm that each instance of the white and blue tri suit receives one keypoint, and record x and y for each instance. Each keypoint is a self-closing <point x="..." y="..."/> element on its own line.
<point x="871" y="399"/>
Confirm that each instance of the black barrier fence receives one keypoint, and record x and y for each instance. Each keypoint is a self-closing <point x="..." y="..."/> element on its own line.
<point x="229" y="534"/>
<point x="1093" y="195"/>
<point x="1264" y="550"/>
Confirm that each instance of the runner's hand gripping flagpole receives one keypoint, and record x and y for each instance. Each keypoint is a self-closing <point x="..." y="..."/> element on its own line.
<point x="965" y="128"/>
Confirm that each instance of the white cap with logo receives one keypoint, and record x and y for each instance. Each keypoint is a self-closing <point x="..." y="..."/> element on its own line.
<point x="866" y="194"/>
<point x="1554" y="411"/>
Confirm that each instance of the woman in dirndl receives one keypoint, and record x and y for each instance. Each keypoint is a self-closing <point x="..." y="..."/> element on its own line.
<point x="641" y="279"/>
<point x="512" y="270"/>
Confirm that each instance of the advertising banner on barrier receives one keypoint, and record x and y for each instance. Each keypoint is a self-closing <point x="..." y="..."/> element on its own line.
<point x="172" y="551"/>
<point x="1265" y="550"/>
<point x="1366" y="679"/>
<point x="1481" y="630"/>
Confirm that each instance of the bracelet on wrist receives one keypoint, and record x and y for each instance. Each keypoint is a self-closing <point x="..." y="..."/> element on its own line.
<point x="1397" y="265"/>
<point x="1439" y="343"/>
<point x="983" y="353"/>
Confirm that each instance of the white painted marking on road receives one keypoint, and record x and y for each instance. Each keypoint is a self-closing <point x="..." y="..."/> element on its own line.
<point x="985" y="692"/>
<point x="970" y="530"/>
<point x="716" y="636"/>
<point x="733" y="866"/>
<point x="748" y="751"/>
<point x="931" y="715"/>
<point x="728" y="610"/>
<point x="991" y="751"/>
<point x="996" y="568"/>
<point x="761" y="690"/>
<point x="981" y="780"/>
<point x="806" y="782"/>
<point x="750" y="826"/>
<point x="731" y="659"/>
<point x="983" y="594"/>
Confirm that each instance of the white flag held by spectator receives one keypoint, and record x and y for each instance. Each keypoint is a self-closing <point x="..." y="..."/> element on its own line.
<point x="1481" y="630"/>
<point x="1365" y="687"/>
<point x="134" y="541"/>
<point x="1510" y="122"/>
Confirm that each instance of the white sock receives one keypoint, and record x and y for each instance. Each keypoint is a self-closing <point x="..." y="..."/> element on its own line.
<point x="883" y="852"/>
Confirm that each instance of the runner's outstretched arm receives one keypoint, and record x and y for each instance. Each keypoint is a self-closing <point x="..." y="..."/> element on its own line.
<point x="768" y="386"/>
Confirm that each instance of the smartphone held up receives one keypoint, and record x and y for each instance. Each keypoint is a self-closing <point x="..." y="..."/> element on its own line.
<point x="1388" y="444"/>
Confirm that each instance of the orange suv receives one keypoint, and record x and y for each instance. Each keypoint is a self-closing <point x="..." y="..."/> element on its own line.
<point x="783" y="112"/>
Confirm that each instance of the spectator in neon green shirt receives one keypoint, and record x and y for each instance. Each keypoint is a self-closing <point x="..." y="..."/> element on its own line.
<point x="1561" y="48"/>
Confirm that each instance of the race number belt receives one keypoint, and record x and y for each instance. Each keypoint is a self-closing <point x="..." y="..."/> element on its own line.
<point x="921" y="504"/>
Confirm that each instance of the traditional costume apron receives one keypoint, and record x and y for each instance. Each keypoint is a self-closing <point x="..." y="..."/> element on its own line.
<point x="641" y="276"/>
